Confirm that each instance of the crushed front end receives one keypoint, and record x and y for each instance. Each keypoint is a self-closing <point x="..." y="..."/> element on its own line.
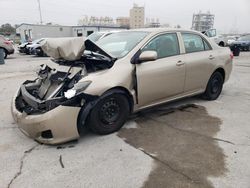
<point x="47" y="108"/>
<point x="41" y="109"/>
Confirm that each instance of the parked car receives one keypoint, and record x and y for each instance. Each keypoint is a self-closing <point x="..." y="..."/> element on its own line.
<point x="99" y="85"/>
<point x="22" y="48"/>
<point x="35" y="48"/>
<point x="218" y="39"/>
<point x="230" y="40"/>
<point x="243" y="43"/>
<point x="99" y="35"/>
<point x="7" y="46"/>
<point x="31" y="47"/>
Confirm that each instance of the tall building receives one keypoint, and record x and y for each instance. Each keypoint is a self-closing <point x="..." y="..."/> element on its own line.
<point x="122" y="22"/>
<point x="137" y="17"/>
<point x="203" y="21"/>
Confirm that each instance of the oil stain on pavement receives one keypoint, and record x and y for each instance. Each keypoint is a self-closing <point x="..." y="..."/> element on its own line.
<point x="182" y="142"/>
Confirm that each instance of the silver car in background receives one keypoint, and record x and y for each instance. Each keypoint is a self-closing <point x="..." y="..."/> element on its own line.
<point x="7" y="46"/>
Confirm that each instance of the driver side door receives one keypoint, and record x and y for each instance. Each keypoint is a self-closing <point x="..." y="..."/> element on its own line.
<point x="163" y="78"/>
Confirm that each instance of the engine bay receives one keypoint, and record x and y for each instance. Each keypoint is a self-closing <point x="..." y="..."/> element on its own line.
<point x="47" y="90"/>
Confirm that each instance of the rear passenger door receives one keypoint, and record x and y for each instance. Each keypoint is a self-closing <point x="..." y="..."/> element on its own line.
<point x="199" y="60"/>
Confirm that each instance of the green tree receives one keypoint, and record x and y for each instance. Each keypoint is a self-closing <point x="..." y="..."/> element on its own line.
<point x="7" y="29"/>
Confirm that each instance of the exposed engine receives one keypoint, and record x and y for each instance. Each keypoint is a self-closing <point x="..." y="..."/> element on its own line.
<point x="47" y="91"/>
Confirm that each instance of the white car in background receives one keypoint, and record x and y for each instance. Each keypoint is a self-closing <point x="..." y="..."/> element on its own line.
<point x="32" y="47"/>
<point x="218" y="39"/>
<point x="100" y="34"/>
<point x="231" y="39"/>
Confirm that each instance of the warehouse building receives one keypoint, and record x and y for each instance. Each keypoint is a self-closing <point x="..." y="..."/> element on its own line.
<point x="36" y="31"/>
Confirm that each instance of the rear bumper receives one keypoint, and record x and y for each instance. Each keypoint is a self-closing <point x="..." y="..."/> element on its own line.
<point x="61" y="122"/>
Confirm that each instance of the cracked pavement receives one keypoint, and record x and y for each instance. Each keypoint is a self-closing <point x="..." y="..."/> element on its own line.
<point x="188" y="143"/>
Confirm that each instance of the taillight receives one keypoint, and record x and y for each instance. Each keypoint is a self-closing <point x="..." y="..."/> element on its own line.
<point x="7" y="42"/>
<point x="231" y="56"/>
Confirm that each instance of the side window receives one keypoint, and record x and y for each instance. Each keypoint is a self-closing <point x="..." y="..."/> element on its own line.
<point x="193" y="43"/>
<point x="165" y="45"/>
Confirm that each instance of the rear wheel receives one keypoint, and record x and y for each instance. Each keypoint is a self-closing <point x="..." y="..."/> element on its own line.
<point x="221" y="44"/>
<point x="109" y="114"/>
<point x="214" y="87"/>
<point x="5" y="54"/>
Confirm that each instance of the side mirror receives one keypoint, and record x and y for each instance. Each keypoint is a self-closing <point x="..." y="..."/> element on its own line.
<point x="148" y="56"/>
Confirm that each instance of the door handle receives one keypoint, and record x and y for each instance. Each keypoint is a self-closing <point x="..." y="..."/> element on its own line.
<point x="211" y="57"/>
<point x="180" y="63"/>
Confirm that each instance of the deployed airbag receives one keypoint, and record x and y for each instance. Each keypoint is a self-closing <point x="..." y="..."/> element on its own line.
<point x="70" y="48"/>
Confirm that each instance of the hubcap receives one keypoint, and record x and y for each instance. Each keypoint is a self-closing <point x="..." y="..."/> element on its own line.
<point x="110" y="111"/>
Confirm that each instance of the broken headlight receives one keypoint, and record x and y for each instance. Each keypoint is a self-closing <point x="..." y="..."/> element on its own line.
<point x="78" y="87"/>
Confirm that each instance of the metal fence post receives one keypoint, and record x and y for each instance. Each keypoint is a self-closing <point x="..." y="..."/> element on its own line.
<point x="1" y="56"/>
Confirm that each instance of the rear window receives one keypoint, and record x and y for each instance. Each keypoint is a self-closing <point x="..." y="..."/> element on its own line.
<point x="194" y="43"/>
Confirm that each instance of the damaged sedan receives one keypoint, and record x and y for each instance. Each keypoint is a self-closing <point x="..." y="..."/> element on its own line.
<point x="98" y="85"/>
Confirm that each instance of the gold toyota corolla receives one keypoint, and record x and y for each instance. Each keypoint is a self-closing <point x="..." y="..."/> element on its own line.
<point x="97" y="85"/>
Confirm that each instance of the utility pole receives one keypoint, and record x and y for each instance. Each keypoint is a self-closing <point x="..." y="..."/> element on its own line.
<point x="39" y="6"/>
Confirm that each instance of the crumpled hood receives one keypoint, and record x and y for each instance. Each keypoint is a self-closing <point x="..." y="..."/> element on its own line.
<point x="70" y="48"/>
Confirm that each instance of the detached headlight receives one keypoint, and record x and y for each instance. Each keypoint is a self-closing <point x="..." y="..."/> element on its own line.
<point x="78" y="87"/>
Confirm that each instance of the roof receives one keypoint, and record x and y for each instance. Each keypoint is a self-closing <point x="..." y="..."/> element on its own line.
<point x="163" y="29"/>
<point x="100" y="26"/>
<point x="42" y="25"/>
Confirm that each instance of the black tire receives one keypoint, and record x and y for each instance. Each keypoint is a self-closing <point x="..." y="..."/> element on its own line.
<point x="222" y="44"/>
<point x="5" y="54"/>
<point x="109" y="114"/>
<point x="214" y="87"/>
<point x="40" y="54"/>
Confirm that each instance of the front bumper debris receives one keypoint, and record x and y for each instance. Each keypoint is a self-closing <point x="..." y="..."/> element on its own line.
<point x="56" y="126"/>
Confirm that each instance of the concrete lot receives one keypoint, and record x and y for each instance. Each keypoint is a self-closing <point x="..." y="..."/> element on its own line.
<point x="189" y="143"/>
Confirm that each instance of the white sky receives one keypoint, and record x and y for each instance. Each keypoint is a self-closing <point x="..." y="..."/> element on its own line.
<point x="229" y="15"/>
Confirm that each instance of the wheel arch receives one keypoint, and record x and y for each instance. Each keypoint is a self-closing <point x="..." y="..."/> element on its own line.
<point x="221" y="43"/>
<point x="124" y="91"/>
<point x="222" y="71"/>
<point x="86" y="109"/>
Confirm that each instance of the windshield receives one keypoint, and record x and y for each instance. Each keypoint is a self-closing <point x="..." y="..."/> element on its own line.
<point x="95" y="36"/>
<point x="121" y="43"/>
<point x="244" y="38"/>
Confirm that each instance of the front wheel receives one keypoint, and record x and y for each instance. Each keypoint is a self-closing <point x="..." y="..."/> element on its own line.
<point x="214" y="87"/>
<point x="109" y="114"/>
